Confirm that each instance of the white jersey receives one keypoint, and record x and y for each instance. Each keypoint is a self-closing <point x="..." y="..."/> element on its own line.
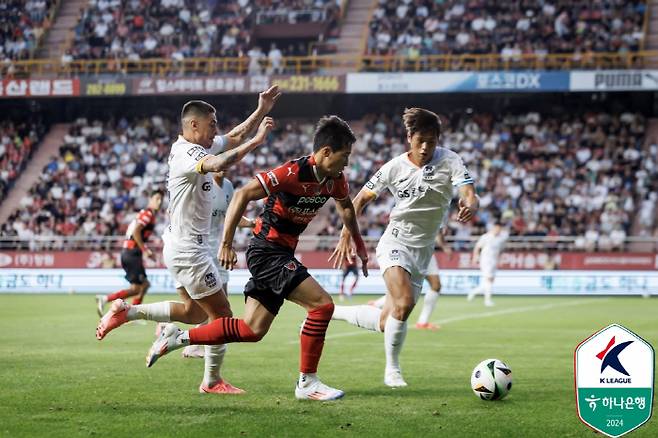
<point x="190" y="192"/>
<point x="491" y="245"/>
<point x="422" y="194"/>
<point x="221" y="198"/>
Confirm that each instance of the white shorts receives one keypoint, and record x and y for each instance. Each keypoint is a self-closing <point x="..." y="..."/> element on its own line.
<point x="223" y="273"/>
<point x="193" y="270"/>
<point x="488" y="268"/>
<point x="433" y="266"/>
<point x="413" y="260"/>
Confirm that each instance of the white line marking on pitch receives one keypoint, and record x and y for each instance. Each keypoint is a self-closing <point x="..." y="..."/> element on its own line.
<point x="460" y="318"/>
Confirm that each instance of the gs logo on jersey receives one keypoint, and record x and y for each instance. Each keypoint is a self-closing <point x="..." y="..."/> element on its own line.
<point x="205" y="186"/>
<point x="210" y="280"/>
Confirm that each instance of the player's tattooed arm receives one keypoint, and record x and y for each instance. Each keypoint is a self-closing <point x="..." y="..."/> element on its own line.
<point x="266" y="101"/>
<point x="252" y="191"/>
<point x="217" y="163"/>
<point x="343" y="251"/>
<point x="468" y="203"/>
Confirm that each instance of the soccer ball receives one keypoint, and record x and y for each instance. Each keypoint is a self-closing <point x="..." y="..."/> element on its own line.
<point x="491" y="379"/>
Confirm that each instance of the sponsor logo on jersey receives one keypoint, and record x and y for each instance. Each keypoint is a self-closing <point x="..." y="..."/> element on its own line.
<point x="290" y="172"/>
<point x="312" y="200"/>
<point x="206" y="186"/>
<point x="394" y="255"/>
<point x="273" y="180"/>
<point x="370" y="185"/>
<point x="412" y="193"/>
<point x="210" y="280"/>
<point x="197" y="152"/>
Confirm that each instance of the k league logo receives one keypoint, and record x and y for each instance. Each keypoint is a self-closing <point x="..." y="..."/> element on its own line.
<point x="614" y="378"/>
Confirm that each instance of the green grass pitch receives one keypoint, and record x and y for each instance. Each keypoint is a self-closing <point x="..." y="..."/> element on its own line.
<point x="56" y="379"/>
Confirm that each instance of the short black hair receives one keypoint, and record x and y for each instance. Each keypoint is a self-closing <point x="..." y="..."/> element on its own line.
<point x="421" y="120"/>
<point x="334" y="132"/>
<point x="156" y="192"/>
<point x="197" y="108"/>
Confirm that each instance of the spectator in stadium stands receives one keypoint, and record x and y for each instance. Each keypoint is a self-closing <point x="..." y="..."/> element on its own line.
<point x="22" y="23"/>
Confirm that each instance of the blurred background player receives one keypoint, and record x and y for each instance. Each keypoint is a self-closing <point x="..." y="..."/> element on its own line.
<point x="432" y="295"/>
<point x="295" y="192"/>
<point x="222" y="193"/>
<point x="348" y="268"/>
<point x="186" y="247"/>
<point x="486" y="253"/>
<point x="421" y="182"/>
<point x="133" y="249"/>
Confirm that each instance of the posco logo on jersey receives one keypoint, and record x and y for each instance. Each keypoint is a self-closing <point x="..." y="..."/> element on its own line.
<point x="312" y="200"/>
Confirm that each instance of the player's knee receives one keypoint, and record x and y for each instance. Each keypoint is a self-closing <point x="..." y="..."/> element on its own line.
<point x="402" y="308"/>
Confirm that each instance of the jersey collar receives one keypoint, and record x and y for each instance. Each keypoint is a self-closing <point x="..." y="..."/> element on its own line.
<point x="311" y="161"/>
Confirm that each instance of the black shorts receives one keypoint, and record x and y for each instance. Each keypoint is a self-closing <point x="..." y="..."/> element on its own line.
<point x="131" y="262"/>
<point x="275" y="273"/>
<point x="350" y="269"/>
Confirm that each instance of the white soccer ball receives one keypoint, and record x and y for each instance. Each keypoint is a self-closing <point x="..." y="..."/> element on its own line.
<point x="491" y="379"/>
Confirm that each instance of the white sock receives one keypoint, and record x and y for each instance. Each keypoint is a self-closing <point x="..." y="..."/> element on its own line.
<point x="394" y="333"/>
<point x="213" y="359"/>
<point x="306" y="379"/>
<point x="366" y="317"/>
<point x="153" y="312"/>
<point x="476" y="291"/>
<point x="488" y="285"/>
<point x="429" y="302"/>
<point x="379" y="302"/>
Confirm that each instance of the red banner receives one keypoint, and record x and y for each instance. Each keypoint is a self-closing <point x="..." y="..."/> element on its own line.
<point x="39" y="87"/>
<point x="318" y="260"/>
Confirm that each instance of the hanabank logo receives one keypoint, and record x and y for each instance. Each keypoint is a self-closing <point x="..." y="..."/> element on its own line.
<point x="609" y="358"/>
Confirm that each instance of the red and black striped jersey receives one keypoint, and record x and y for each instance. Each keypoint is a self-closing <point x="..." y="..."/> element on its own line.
<point x="146" y="218"/>
<point x="295" y="194"/>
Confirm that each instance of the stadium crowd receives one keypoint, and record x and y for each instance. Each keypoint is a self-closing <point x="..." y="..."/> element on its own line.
<point x="585" y="174"/>
<point x="17" y="143"/>
<point x="22" y="22"/>
<point x="539" y="27"/>
<point x="179" y="29"/>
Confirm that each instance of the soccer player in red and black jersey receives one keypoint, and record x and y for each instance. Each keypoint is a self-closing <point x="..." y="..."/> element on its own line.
<point x="139" y="230"/>
<point x="295" y="192"/>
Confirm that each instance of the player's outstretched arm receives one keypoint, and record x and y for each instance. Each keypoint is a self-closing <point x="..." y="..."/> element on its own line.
<point x="137" y="237"/>
<point x="250" y="192"/>
<point x="468" y="203"/>
<point x="217" y="163"/>
<point x="266" y="101"/>
<point x="343" y="251"/>
<point x="363" y="198"/>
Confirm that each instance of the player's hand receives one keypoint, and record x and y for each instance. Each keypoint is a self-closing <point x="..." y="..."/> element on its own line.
<point x="465" y="213"/>
<point x="266" y="125"/>
<point x="268" y="98"/>
<point x="343" y="252"/>
<point x="227" y="256"/>
<point x="363" y="255"/>
<point x="148" y="253"/>
<point x="475" y="260"/>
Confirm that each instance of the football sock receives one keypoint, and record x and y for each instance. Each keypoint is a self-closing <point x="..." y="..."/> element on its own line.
<point x="223" y="331"/>
<point x="394" y="333"/>
<point x="429" y="302"/>
<point x="366" y="317"/>
<point x="311" y="337"/>
<point x="213" y="359"/>
<point x="306" y="379"/>
<point x="123" y="293"/>
<point x="488" y="285"/>
<point x="153" y="312"/>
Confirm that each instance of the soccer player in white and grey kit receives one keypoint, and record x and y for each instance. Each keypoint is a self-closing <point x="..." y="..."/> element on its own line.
<point x="221" y="192"/>
<point x="186" y="249"/>
<point x="486" y="252"/>
<point x="422" y="182"/>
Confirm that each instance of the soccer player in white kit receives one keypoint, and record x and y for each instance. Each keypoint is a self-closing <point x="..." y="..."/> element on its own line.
<point x="222" y="193"/>
<point x="486" y="252"/>
<point x="186" y="247"/>
<point x="422" y="182"/>
<point x="431" y="296"/>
